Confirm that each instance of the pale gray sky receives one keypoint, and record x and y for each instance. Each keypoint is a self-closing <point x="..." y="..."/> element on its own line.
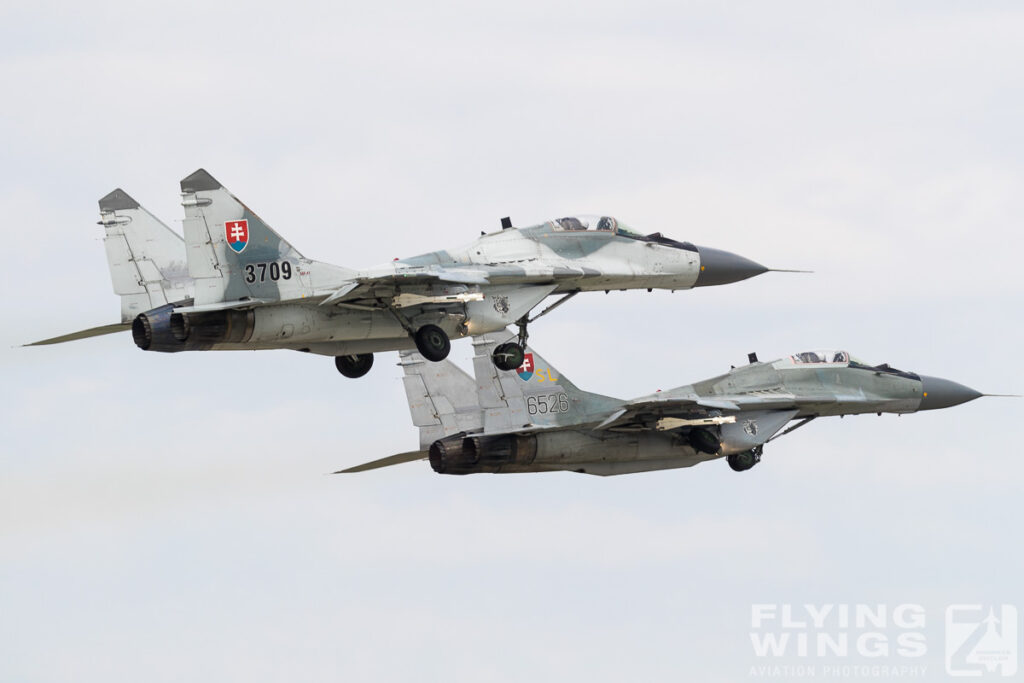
<point x="168" y="517"/>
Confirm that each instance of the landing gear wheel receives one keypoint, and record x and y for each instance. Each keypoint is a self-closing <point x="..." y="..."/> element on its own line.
<point x="741" y="462"/>
<point x="508" y="356"/>
<point x="354" y="366"/>
<point x="432" y="343"/>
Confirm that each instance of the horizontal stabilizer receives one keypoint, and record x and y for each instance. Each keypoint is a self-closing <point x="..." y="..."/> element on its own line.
<point x="84" y="334"/>
<point x="387" y="462"/>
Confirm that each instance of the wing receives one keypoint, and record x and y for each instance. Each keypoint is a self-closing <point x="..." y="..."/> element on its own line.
<point x="673" y="412"/>
<point x="368" y="291"/>
<point x="647" y="414"/>
<point x="389" y="285"/>
<point x="373" y="288"/>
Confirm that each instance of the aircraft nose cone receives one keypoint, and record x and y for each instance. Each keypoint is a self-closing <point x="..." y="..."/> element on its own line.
<point x="942" y="393"/>
<point x="718" y="267"/>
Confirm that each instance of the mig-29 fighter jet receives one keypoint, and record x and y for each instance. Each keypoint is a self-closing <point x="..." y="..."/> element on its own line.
<point x="535" y="420"/>
<point x="233" y="283"/>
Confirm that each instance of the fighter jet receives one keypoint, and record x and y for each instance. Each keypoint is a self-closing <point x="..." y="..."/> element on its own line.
<point x="534" y="419"/>
<point x="234" y="283"/>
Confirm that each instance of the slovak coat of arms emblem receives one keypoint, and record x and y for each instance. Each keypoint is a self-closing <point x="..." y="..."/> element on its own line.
<point x="526" y="369"/>
<point x="237" y="234"/>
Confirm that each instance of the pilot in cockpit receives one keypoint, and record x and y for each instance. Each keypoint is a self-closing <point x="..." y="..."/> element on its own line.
<point x="571" y="223"/>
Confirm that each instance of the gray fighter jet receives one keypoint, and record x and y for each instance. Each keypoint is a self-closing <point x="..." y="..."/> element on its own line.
<point x="535" y="420"/>
<point x="233" y="283"/>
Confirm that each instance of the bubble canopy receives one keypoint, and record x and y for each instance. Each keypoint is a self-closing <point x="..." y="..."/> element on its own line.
<point x="597" y="223"/>
<point x="844" y="358"/>
<point x="807" y="357"/>
<point x="586" y="224"/>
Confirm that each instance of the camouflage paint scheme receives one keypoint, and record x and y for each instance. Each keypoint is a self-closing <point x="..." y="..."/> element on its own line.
<point x="226" y="299"/>
<point x="535" y="419"/>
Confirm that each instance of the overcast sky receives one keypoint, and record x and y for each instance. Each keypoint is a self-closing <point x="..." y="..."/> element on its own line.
<point x="169" y="517"/>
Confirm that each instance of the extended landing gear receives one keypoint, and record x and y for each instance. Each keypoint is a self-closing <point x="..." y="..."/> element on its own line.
<point x="432" y="343"/>
<point x="741" y="462"/>
<point x="354" y="366"/>
<point x="508" y="356"/>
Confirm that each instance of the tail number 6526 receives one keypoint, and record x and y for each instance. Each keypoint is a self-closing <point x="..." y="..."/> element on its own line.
<point x="547" y="403"/>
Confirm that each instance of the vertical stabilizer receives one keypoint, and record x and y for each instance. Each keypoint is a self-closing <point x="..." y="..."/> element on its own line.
<point x="146" y="258"/>
<point x="235" y="256"/>
<point x="536" y="394"/>
<point x="442" y="398"/>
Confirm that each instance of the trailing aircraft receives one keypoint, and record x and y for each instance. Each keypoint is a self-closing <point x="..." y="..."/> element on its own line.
<point x="534" y="419"/>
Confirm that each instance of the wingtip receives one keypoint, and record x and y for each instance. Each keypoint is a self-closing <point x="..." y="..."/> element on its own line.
<point x="198" y="181"/>
<point x="117" y="200"/>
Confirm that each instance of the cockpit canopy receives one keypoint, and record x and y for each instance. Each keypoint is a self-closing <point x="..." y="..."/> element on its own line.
<point x="808" y="357"/>
<point x="607" y="224"/>
<point x="600" y="223"/>
<point x="843" y="358"/>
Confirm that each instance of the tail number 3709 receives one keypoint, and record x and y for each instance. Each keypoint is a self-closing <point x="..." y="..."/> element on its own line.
<point x="264" y="271"/>
<point x="547" y="403"/>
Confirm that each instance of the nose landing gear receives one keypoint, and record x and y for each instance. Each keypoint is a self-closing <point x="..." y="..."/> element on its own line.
<point x="510" y="355"/>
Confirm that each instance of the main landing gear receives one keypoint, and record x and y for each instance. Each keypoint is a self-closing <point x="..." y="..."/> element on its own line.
<point x="432" y="343"/>
<point x="354" y="366"/>
<point x="741" y="462"/>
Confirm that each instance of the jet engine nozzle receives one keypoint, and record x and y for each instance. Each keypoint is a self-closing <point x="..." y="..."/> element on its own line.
<point x="161" y="329"/>
<point x="458" y="455"/>
<point x="152" y="330"/>
<point x="447" y="456"/>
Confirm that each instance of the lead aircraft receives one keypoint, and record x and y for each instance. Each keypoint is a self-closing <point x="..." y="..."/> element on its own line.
<point x="233" y="283"/>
